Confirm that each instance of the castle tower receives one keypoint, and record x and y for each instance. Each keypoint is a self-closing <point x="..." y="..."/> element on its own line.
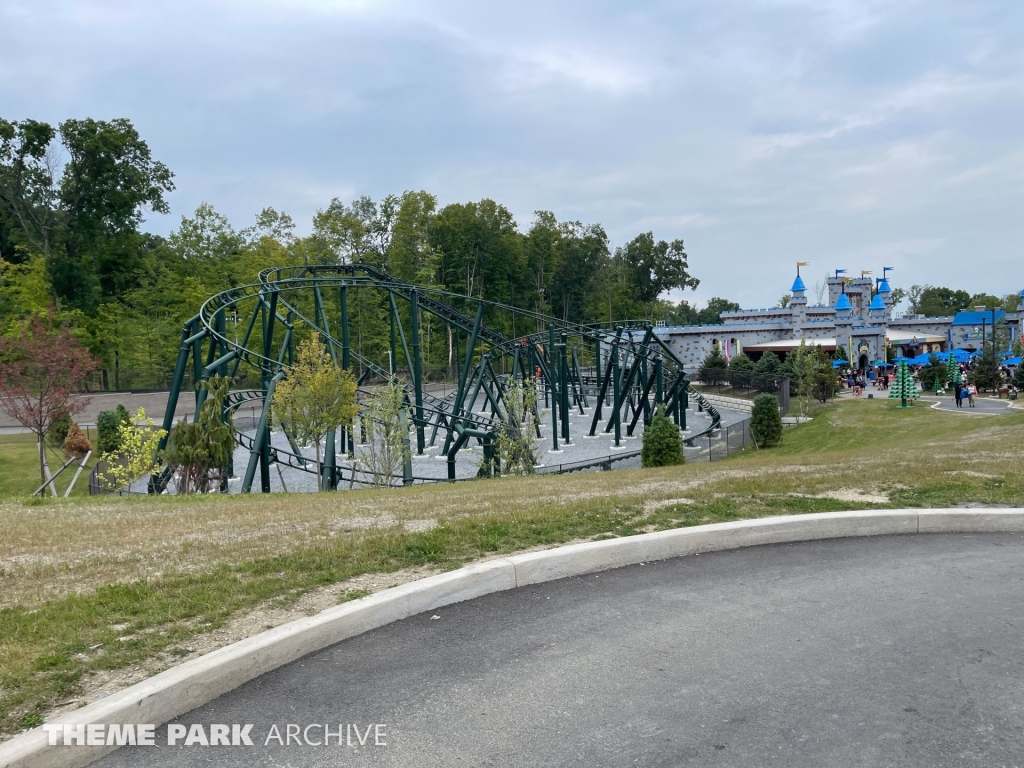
<point x="885" y="292"/>
<point x="798" y="303"/>
<point x="844" y="319"/>
<point x="878" y="312"/>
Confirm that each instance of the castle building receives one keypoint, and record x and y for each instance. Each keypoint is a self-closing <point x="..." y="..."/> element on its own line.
<point x="859" y="317"/>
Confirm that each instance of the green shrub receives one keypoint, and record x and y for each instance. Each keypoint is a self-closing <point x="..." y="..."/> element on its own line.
<point x="663" y="446"/>
<point x="59" y="429"/>
<point x="107" y="423"/>
<point x="765" y="421"/>
<point x="741" y="363"/>
<point x="1018" y="377"/>
<point x="713" y="367"/>
<point x="768" y="363"/>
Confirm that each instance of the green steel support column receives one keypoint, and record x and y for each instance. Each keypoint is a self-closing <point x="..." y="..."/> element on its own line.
<point x="184" y="349"/>
<point x="685" y="402"/>
<point x="638" y="412"/>
<point x="578" y="377"/>
<point x="645" y="384"/>
<point x="268" y="350"/>
<point x="401" y="334"/>
<point x="598" y="404"/>
<point x="617" y="383"/>
<point x="460" y="395"/>
<point x="417" y="377"/>
<point x="197" y="362"/>
<point x="329" y="474"/>
<point x="406" y="452"/>
<point x="245" y="339"/>
<point x="563" y="386"/>
<point x="222" y="347"/>
<point x="659" y="376"/>
<point x="261" y="437"/>
<point x="552" y="367"/>
<point x="347" y="443"/>
<point x="320" y="320"/>
<point x="392" y="363"/>
<point x="625" y="389"/>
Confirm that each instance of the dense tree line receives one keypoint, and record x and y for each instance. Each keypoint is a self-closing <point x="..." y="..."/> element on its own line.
<point x="73" y="198"/>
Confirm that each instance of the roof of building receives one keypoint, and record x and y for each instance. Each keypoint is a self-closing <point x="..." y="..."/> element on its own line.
<point x="843" y="302"/>
<point x="798" y="285"/>
<point x="976" y="318"/>
<point x="877" y="303"/>
<point x="883" y="286"/>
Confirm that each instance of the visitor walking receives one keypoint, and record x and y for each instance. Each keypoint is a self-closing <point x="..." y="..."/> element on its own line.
<point x="958" y="392"/>
<point x="971" y="392"/>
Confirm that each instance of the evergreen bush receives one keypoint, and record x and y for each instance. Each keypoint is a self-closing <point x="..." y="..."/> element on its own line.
<point x="741" y="363"/>
<point x="765" y="421"/>
<point x="1018" y="377"/>
<point x="662" y="443"/>
<point x="712" y="367"/>
<point x="109" y="439"/>
<point x="769" y="363"/>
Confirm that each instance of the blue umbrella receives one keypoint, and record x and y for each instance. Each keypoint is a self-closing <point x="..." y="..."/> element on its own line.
<point x="882" y="364"/>
<point x="1012" y="361"/>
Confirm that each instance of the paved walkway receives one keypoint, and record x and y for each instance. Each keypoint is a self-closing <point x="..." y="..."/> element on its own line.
<point x="887" y="651"/>
<point x="983" y="404"/>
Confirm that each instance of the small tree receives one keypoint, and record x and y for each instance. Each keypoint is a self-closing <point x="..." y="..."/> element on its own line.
<point x="822" y="377"/>
<point x="903" y="387"/>
<point x="200" y="453"/>
<point x="662" y="444"/>
<point x="769" y="363"/>
<point x="712" y="367"/>
<point x="515" y="448"/>
<point x="765" y="421"/>
<point x="386" y="425"/>
<point x="952" y="370"/>
<point x="136" y="456"/>
<point x="741" y="363"/>
<point x="1018" y="377"/>
<point x="934" y="375"/>
<point x="108" y="427"/>
<point x="41" y="369"/>
<point x="317" y="397"/>
<point x="986" y="371"/>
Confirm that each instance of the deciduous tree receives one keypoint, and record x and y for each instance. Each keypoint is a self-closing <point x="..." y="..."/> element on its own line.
<point x="41" y="370"/>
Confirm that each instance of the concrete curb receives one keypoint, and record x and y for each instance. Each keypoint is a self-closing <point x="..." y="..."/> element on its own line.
<point x="176" y="691"/>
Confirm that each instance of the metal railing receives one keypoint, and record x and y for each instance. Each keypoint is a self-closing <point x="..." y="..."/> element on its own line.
<point x="745" y="384"/>
<point x="720" y="444"/>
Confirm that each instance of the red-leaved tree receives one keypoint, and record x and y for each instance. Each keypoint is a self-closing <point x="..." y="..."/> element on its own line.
<point x="41" y="369"/>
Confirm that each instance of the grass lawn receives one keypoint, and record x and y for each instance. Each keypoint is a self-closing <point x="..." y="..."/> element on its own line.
<point x="19" y="468"/>
<point x="91" y="587"/>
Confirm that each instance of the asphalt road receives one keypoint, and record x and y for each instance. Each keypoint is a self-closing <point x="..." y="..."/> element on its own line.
<point x="887" y="651"/>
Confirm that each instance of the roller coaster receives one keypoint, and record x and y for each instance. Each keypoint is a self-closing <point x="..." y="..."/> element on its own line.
<point x="615" y="374"/>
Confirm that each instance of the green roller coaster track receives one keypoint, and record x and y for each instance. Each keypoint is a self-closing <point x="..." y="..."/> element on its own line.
<point x="631" y="370"/>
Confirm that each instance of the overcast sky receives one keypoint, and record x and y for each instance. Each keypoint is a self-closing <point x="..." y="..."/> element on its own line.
<point x="852" y="135"/>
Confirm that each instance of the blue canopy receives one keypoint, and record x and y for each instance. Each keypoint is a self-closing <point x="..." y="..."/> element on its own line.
<point x="838" y="363"/>
<point x="882" y="364"/>
<point x="1012" y="361"/>
<point x="961" y="355"/>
